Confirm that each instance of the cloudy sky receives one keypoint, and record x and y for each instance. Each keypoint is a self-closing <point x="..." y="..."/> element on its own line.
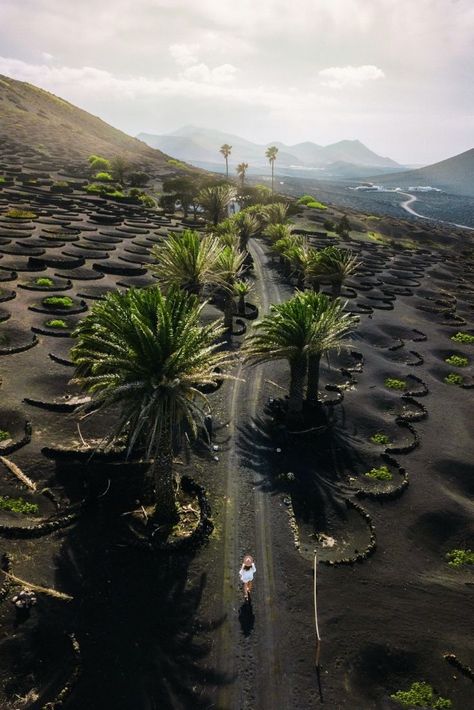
<point x="396" y="74"/>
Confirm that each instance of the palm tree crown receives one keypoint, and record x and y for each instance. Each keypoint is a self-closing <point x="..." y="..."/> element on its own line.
<point x="337" y="265"/>
<point x="241" y="171"/>
<point x="215" y="201"/>
<point x="147" y="355"/>
<point x="187" y="260"/>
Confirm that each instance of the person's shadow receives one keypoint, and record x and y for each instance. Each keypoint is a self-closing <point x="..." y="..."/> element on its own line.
<point x="246" y="618"/>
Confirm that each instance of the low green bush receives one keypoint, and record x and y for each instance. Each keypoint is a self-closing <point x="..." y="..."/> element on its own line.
<point x="147" y="201"/>
<point x="44" y="281"/>
<point x="453" y="379"/>
<point x="5" y="435"/>
<point x="99" y="188"/>
<point x="457" y="361"/>
<point x="420" y="695"/>
<point x="458" y="558"/>
<point x="394" y="384"/>
<point x="17" y="505"/>
<point x="379" y="438"/>
<point x="379" y="474"/>
<point x="16" y="213"/>
<point x="2" y="179"/>
<point x="56" y="323"/>
<point x="103" y="177"/>
<point x="58" y="301"/>
<point x="464" y="338"/>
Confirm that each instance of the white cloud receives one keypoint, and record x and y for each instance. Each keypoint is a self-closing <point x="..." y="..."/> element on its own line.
<point x="222" y="74"/>
<point x="47" y="57"/>
<point x="184" y="54"/>
<point x="342" y="77"/>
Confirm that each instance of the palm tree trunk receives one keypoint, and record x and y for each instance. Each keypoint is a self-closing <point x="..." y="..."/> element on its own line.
<point x="298" y="369"/>
<point x="241" y="305"/>
<point x="313" y="379"/>
<point x="228" y="313"/>
<point x="165" y="501"/>
<point x="273" y="167"/>
<point x="227" y="168"/>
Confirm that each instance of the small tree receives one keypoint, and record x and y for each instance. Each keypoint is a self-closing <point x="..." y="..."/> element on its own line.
<point x="271" y="153"/>
<point x="119" y="168"/>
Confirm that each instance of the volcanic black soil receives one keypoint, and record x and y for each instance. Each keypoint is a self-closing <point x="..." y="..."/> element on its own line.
<point x="170" y="630"/>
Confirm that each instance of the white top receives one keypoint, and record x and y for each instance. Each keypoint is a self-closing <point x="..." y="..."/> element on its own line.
<point x="246" y="575"/>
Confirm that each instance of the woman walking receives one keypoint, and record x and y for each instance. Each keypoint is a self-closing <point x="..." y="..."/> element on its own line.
<point x="246" y="574"/>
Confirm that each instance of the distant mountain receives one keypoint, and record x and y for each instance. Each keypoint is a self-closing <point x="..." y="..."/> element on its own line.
<point x="201" y="145"/>
<point x="454" y="175"/>
<point x="62" y="133"/>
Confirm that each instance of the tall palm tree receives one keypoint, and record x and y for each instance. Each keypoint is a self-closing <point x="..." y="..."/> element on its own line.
<point x="215" y="201"/>
<point x="230" y="264"/>
<point x="284" y="334"/>
<point x="337" y="265"/>
<point x="271" y="153"/>
<point x="241" y="171"/>
<point x="146" y="355"/>
<point x="187" y="260"/>
<point x="331" y="326"/>
<point x="226" y="150"/>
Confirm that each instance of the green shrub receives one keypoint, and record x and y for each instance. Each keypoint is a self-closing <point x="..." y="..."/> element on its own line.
<point x="330" y="226"/>
<point x="4" y="435"/>
<point x="315" y="205"/>
<point x="379" y="438"/>
<point x="457" y="361"/>
<point x="457" y="558"/>
<point x="420" y="695"/>
<point x="463" y="338"/>
<point x="61" y="183"/>
<point x="58" y="301"/>
<point x="304" y="199"/>
<point x="147" y="201"/>
<point x="56" y="323"/>
<point x="394" y="384"/>
<point x="99" y="189"/>
<point x="17" y="505"/>
<point x="177" y="164"/>
<point x="16" y="213"/>
<point x="116" y="193"/>
<point x="2" y="179"/>
<point x="99" y="163"/>
<point x="453" y="379"/>
<point x="379" y="474"/>
<point x="103" y="177"/>
<point x="44" y="281"/>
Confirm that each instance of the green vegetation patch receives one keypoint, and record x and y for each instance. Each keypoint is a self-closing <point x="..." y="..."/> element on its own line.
<point x="56" y="323"/>
<point x="58" y="301"/>
<point x="454" y="378"/>
<point x="457" y="361"/>
<point x="147" y="201"/>
<point x="177" y="164"/>
<point x="420" y="695"/>
<point x="310" y="201"/>
<point x="16" y="213"/>
<point x="5" y="435"/>
<point x="394" y="384"/>
<point x="380" y="438"/>
<point x="379" y="474"/>
<point x="103" y="177"/>
<point x="17" y="505"/>
<point x="44" y="281"/>
<point x="2" y="179"/>
<point x="458" y="558"/>
<point x="464" y="338"/>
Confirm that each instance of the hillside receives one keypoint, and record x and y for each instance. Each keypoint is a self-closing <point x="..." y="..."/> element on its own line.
<point x="35" y="121"/>
<point x="201" y="145"/>
<point x="454" y="175"/>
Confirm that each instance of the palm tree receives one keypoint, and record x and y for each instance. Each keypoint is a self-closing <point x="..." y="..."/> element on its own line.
<point x="187" y="260"/>
<point x="242" y="288"/>
<point x="271" y="153"/>
<point x="146" y="356"/>
<point x="248" y="226"/>
<point x="284" y="334"/>
<point x="226" y="151"/>
<point x="276" y="213"/>
<point x="215" y="201"/>
<point x="331" y="326"/>
<point x="337" y="265"/>
<point x="230" y="265"/>
<point x="241" y="170"/>
<point x="277" y="231"/>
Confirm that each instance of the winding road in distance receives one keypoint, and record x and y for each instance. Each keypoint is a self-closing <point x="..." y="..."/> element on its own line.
<point x="412" y="198"/>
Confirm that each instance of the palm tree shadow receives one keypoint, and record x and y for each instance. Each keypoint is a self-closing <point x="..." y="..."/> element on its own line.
<point x="246" y="618"/>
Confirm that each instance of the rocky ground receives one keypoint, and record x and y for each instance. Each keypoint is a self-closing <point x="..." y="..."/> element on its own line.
<point x="171" y="630"/>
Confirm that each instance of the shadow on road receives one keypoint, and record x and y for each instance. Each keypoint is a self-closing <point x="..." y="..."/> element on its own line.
<point x="246" y="618"/>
